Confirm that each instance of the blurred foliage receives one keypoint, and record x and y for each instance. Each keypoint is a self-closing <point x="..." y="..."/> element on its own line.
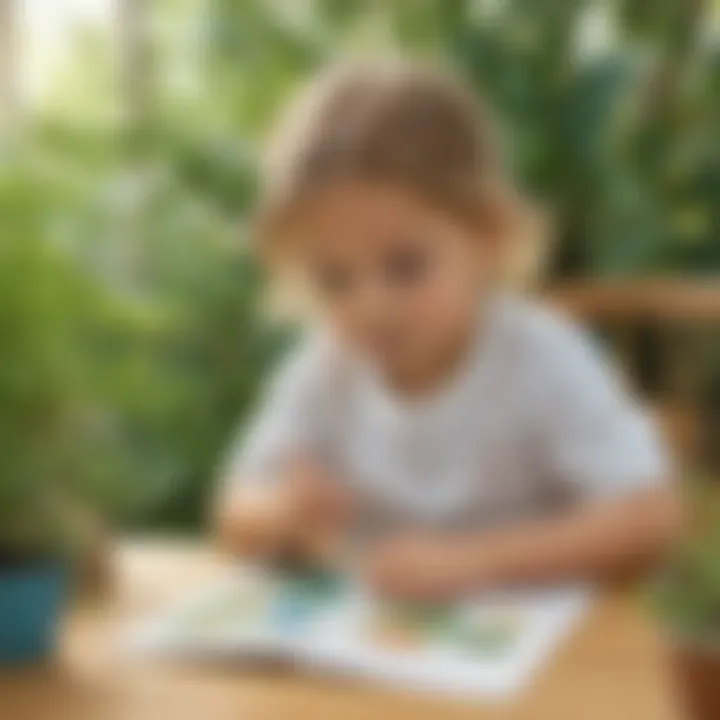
<point x="609" y="110"/>
<point x="687" y="596"/>
<point x="50" y="409"/>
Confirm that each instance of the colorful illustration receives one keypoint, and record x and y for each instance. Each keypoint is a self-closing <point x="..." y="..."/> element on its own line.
<point x="291" y="603"/>
<point x="488" y="631"/>
<point x="262" y="604"/>
<point x="407" y="627"/>
<point x="301" y="597"/>
<point x="240" y="607"/>
<point x="484" y="647"/>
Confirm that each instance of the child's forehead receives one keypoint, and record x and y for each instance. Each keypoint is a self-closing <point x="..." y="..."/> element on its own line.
<point x="352" y="208"/>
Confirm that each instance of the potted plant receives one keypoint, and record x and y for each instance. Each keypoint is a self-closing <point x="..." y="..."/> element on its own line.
<point x="48" y="457"/>
<point x="688" y="601"/>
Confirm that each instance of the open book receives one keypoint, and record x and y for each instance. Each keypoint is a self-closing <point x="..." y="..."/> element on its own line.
<point x="484" y="648"/>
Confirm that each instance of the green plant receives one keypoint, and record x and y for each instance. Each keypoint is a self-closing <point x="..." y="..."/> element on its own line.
<point x="688" y="594"/>
<point x="50" y="451"/>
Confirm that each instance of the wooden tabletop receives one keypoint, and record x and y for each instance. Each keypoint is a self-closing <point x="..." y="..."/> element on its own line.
<point x="611" y="668"/>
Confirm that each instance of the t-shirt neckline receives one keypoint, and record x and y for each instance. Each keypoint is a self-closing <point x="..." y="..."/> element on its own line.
<point x="453" y="390"/>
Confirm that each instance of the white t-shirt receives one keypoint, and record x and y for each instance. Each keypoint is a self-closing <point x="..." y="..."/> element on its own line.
<point x="533" y="419"/>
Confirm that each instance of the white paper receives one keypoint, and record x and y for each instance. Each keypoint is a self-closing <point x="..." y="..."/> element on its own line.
<point x="488" y="647"/>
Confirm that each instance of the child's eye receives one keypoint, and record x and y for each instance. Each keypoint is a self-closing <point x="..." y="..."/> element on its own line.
<point x="333" y="280"/>
<point x="406" y="265"/>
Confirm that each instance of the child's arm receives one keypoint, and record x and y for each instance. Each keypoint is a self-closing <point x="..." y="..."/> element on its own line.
<point x="586" y="435"/>
<point x="274" y="494"/>
<point x="599" y="540"/>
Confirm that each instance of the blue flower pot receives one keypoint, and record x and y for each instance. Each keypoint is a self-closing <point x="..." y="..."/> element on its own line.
<point x="31" y="600"/>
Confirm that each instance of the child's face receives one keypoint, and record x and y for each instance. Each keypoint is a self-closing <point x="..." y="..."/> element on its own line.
<point x="398" y="279"/>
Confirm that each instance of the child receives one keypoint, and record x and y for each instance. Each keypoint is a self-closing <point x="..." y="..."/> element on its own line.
<point x="476" y="439"/>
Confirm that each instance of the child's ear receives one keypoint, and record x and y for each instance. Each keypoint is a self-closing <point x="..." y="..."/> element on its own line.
<point x="518" y="232"/>
<point x="529" y="247"/>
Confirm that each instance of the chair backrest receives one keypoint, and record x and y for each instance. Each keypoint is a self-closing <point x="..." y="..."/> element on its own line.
<point x="665" y="333"/>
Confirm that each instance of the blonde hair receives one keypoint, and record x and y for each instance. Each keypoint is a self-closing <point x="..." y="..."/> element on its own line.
<point x="401" y="123"/>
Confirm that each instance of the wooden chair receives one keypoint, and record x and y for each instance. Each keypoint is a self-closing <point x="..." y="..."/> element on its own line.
<point x="666" y="333"/>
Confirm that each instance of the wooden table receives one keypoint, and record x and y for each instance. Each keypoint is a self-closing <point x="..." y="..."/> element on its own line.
<point x="611" y="669"/>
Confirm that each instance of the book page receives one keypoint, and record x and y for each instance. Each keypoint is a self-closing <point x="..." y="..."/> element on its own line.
<point x="486" y="647"/>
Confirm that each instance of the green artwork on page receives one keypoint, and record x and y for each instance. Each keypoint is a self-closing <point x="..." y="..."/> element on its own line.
<point x="488" y="633"/>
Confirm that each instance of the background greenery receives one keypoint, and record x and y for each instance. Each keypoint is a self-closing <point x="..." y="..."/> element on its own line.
<point x="137" y="174"/>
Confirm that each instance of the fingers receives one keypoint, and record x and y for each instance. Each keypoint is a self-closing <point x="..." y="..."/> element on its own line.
<point x="418" y="569"/>
<point x="391" y="569"/>
<point x="321" y="508"/>
<point x="317" y="497"/>
<point x="253" y="522"/>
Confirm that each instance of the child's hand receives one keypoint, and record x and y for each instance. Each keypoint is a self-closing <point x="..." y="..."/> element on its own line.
<point x="320" y="509"/>
<point x="424" y="568"/>
<point x="315" y="496"/>
<point x="302" y="515"/>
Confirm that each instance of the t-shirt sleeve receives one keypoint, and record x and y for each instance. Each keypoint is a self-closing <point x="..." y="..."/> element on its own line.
<point x="289" y="422"/>
<point x="597" y="438"/>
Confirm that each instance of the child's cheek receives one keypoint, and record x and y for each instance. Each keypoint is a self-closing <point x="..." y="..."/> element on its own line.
<point x="444" y="299"/>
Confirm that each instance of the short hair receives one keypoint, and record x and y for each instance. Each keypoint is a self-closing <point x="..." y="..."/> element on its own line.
<point x="398" y="122"/>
